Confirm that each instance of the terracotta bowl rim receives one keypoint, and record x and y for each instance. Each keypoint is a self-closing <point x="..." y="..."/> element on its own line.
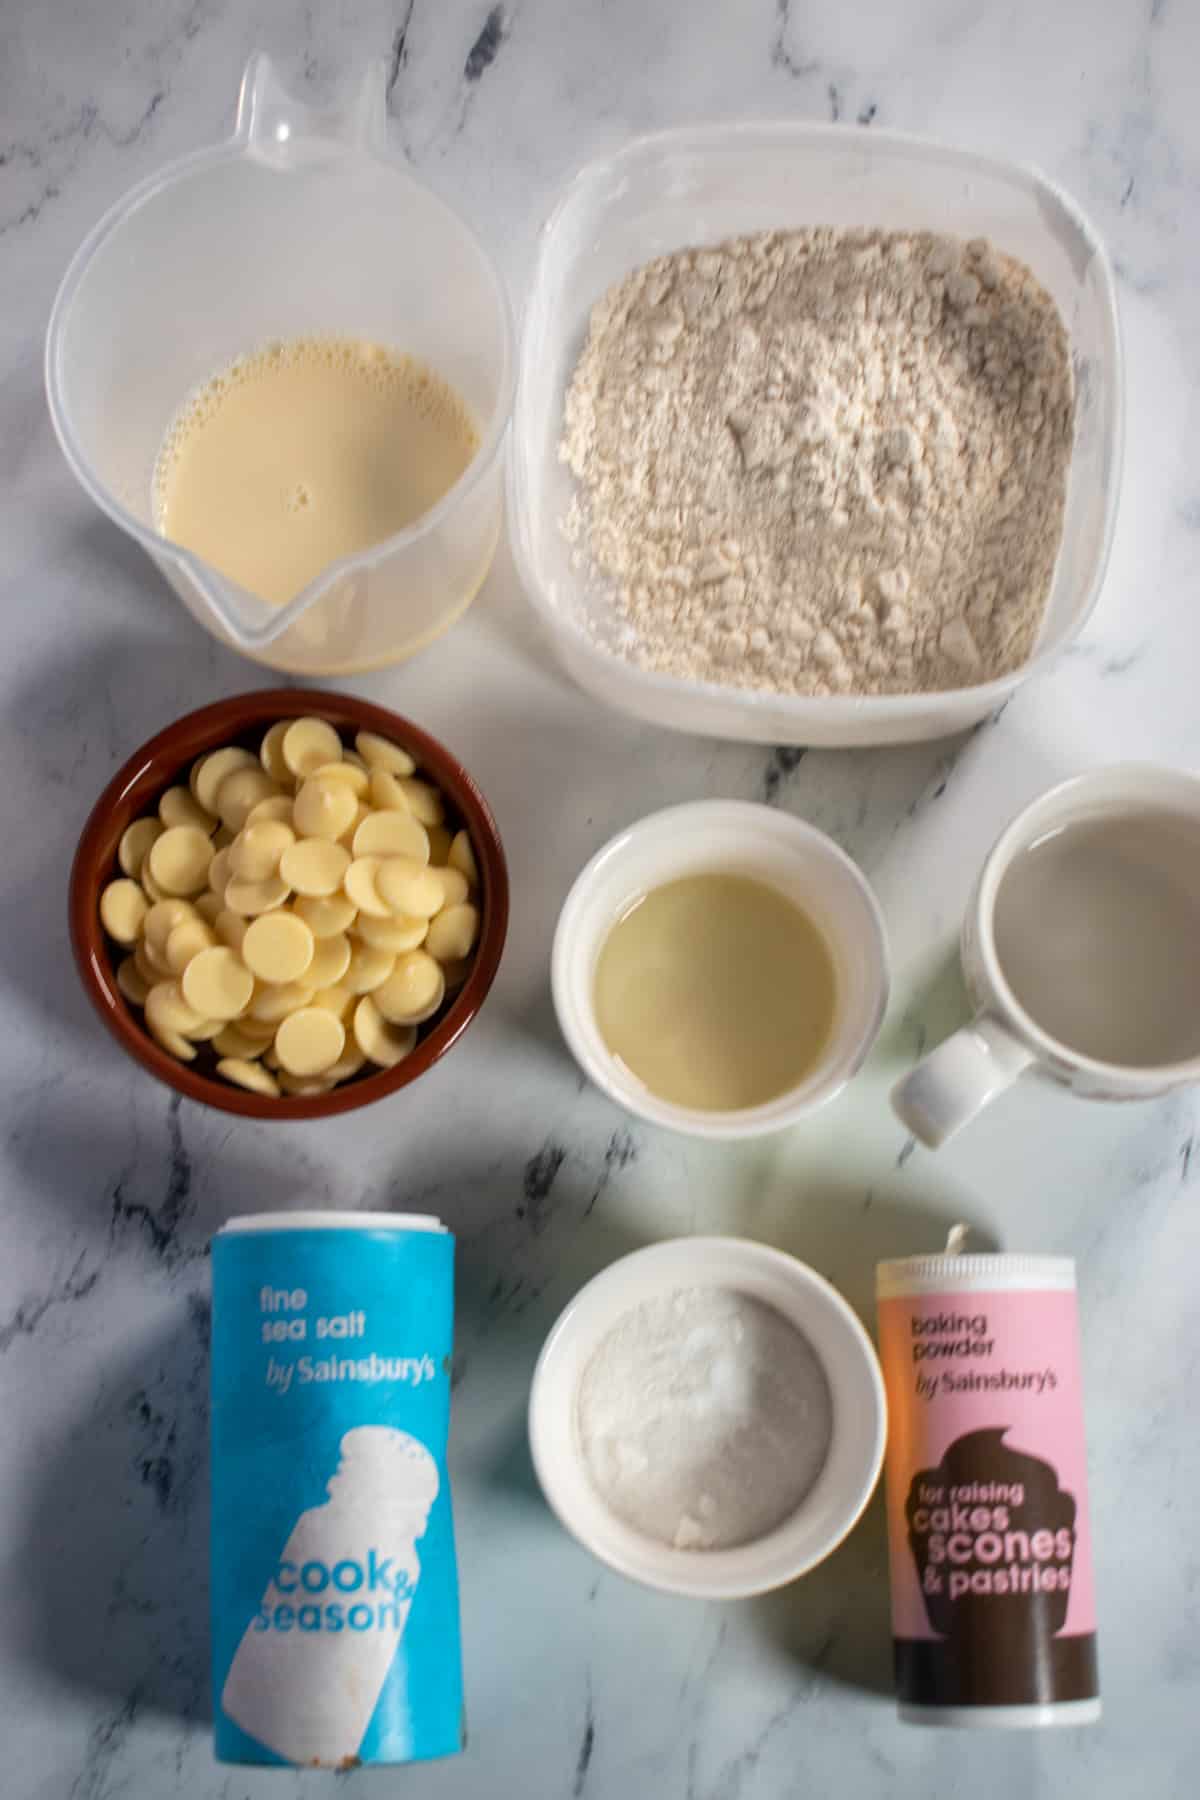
<point x="152" y="768"/>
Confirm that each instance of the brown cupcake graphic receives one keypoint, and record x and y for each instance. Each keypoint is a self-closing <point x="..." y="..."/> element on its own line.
<point x="993" y="1538"/>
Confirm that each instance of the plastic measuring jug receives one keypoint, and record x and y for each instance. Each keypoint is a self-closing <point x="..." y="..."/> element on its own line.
<point x="303" y="223"/>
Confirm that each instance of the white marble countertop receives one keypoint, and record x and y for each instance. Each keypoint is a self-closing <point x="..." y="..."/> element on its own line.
<point x="578" y="1683"/>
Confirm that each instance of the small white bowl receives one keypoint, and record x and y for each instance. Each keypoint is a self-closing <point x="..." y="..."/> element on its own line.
<point x="843" y="1487"/>
<point x="725" y="837"/>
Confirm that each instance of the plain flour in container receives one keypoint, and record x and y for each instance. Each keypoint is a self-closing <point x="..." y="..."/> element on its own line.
<point x="704" y="1418"/>
<point x="824" y="461"/>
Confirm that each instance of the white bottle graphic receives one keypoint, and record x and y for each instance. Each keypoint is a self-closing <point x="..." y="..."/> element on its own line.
<point x="310" y="1667"/>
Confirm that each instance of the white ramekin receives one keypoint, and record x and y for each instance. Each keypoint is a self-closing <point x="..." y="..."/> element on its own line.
<point x="841" y="1491"/>
<point x="727" y="837"/>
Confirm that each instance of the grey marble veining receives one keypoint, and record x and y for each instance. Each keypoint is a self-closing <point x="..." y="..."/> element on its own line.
<point x="578" y="1683"/>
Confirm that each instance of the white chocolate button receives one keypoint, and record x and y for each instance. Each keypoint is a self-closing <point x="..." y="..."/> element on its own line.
<point x="337" y="1000"/>
<point x="131" y="982"/>
<point x="347" y="1065"/>
<point x="249" y="1075"/>
<point x="217" y="984"/>
<point x="275" y="806"/>
<point x="315" y="869"/>
<point x="271" y="1003"/>
<point x="186" y="940"/>
<point x="440" y="841"/>
<point x="452" y="934"/>
<point x="167" y="1009"/>
<point x="161" y="921"/>
<point x="367" y="969"/>
<point x="413" y="991"/>
<point x="462" y="858"/>
<point x="424" y="801"/>
<point x="270" y="753"/>
<point x="123" y="910"/>
<point x="134" y="847"/>
<point x="386" y="793"/>
<point x="202" y="1033"/>
<point x="392" y="834"/>
<point x="220" y="872"/>
<point x="359" y="883"/>
<point x="309" y="743"/>
<point x="253" y="897"/>
<point x="255" y="852"/>
<point x="347" y="838"/>
<point x="231" y="1040"/>
<point x="208" y="774"/>
<point x="177" y="807"/>
<point x="380" y="1042"/>
<point x="208" y="906"/>
<point x="156" y="959"/>
<point x="240" y="793"/>
<point x="453" y="884"/>
<point x="305" y="1087"/>
<point x="380" y="753"/>
<point x="324" y="808"/>
<point x="173" y="1042"/>
<point x="351" y="774"/>
<point x="151" y="969"/>
<point x="325" y="917"/>
<point x="309" y="1041"/>
<point x="152" y="890"/>
<point x="231" y="928"/>
<point x="279" y="948"/>
<point x="395" y="935"/>
<point x="259" y="1031"/>
<point x="330" y="960"/>
<point x="456" y="973"/>
<point x="408" y="887"/>
<point x="179" y="860"/>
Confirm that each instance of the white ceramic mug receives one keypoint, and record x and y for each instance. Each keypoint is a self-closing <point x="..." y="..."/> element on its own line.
<point x="1004" y="1039"/>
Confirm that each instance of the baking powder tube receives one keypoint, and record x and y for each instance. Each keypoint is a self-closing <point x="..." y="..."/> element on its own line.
<point x="993" y="1610"/>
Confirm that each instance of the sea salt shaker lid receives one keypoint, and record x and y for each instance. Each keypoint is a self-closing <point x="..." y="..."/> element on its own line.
<point x="307" y="1219"/>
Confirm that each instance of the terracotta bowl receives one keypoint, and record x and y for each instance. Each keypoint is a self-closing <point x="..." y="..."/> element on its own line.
<point x="135" y="790"/>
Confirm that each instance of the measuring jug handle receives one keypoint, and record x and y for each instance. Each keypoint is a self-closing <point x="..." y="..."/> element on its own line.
<point x="278" y="127"/>
<point x="958" y="1079"/>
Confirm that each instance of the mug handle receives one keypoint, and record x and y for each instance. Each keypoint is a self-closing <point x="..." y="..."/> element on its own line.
<point x="958" y="1079"/>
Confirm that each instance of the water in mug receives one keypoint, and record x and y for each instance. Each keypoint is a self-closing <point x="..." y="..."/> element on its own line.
<point x="1097" y="929"/>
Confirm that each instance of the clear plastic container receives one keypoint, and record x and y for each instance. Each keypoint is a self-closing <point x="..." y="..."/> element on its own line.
<point x="304" y="222"/>
<point x="700" y="185"/>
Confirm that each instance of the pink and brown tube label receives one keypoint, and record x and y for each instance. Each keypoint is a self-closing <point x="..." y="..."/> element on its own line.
<point x="992" y="1598"/>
